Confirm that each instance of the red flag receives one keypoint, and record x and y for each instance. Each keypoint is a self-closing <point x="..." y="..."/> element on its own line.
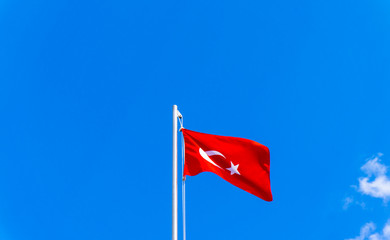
<point x="242" y="162"/>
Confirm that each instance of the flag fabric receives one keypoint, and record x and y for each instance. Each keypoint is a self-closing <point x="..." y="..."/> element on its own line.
<point x="242" y="162"/>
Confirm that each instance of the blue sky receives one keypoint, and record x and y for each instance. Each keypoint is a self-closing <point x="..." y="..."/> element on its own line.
<point x="86" y="93"/>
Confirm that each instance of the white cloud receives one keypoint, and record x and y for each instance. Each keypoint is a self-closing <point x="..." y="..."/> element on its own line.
<point x="374" y="167"/>
<point x="347" y="202"/>
<point x="367" y="232"/>
<point x="350" y="201"/>
<point x="376" y="183"/>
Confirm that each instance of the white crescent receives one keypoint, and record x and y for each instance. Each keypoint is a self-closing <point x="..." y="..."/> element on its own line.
<point x="206" y="155"/>
<point x="212" y="153"/>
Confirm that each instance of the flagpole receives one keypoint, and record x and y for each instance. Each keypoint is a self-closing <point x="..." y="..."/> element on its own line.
<point x="174" y="174"/>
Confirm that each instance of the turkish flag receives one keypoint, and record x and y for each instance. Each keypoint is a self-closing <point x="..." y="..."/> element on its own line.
<point x="242" y="162"/>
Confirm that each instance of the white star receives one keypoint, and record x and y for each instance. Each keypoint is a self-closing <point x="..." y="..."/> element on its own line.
<point x="233" y="169"/>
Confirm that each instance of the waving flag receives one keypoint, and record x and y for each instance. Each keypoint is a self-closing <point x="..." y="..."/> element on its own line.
<point x="242" y="162"/>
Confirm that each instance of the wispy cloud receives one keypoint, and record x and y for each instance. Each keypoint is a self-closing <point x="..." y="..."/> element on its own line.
<point x="367" y="232"/>
<point x="376" y="183"/>
<point x="349" y="201"/>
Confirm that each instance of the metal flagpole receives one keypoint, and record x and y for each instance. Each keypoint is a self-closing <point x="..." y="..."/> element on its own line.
<point x="174" y="174"/>
<point x="183" y="181"/>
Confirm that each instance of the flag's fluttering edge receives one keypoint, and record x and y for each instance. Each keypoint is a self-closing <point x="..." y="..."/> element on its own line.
<point x="242" y="162"/>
